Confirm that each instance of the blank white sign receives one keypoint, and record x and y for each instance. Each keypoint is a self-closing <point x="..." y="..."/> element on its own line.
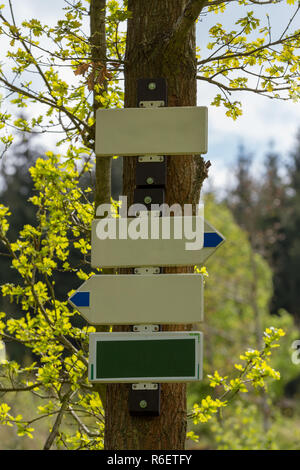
<point x="129" y="299"/>
<point x="151" y="131"/>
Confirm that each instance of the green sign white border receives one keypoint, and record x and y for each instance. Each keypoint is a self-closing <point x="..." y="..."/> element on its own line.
<point x="131" y="336"/>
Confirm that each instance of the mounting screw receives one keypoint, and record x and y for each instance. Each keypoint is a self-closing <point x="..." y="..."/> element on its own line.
<point x="143" y="404"/>
<point x="147" y="199"/>
<point x="152" y="86"/>
<point x="149" y="180"/>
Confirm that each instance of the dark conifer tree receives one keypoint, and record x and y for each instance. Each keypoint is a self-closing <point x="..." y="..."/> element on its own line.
<point x="291" y="221"/>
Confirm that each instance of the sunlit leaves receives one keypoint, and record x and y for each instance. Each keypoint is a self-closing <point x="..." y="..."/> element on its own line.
<point x="4" y="225"/>
<point x="251" y="58"/>
<point x="64" y="215"/>
<point x="203" y="412"/>
<point x="35" y="26"/>
<point x="47" y="52"/>
<point x="233" y="108"/>
<point x="248" y="22"/>
<point x="252" y="372"/>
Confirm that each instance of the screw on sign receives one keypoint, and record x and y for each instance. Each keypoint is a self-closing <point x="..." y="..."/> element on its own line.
<point x="143" y="404"/>
<point x="152" y="86"/>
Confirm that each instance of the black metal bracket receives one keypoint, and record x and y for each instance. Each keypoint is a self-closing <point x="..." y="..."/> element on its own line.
<point x="149" y="196"/>
<point x="152" y="89"/>
<point x="144" y="402"/>
<point x="151" y="170"/>
<point x="151" y="173"/>
<point x="151" y="177"/>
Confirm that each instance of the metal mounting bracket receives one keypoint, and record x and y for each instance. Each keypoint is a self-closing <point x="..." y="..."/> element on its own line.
<point x="145" y="328"/>
<point x="145" y="386"/>
<point x="147" y="270"/>
<point x="151" y="158"/>
<point x="151" y="104"/>
<point x="144" y="399"/>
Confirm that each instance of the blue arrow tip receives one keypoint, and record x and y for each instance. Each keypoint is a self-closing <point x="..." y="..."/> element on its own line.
<point x="81" y="299"/>
<point x="212" y="239"/>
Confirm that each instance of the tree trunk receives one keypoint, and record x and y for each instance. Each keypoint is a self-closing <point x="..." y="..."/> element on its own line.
<point x="98" y="52"/>
<point x="153" y="51"/>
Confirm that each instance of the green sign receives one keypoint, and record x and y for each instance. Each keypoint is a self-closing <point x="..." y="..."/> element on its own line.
<point x="145" y="357"/>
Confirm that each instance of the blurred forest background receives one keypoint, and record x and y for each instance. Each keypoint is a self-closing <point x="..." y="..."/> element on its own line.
<point x="253" y="282"/>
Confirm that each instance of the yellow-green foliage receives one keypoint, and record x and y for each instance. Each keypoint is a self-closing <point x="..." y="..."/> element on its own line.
<point x="238" y="287"/>
<point x="63" y="221"/>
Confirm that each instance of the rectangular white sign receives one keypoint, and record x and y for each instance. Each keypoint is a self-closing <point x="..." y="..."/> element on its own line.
<point x="151" y="131"/>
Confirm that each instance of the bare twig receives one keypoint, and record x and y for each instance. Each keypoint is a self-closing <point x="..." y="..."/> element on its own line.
<point x="55" y="429"/>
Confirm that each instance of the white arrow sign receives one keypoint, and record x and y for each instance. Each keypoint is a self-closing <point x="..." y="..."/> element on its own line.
<point x="134" y="299"/>
<point x="115" y="244"/>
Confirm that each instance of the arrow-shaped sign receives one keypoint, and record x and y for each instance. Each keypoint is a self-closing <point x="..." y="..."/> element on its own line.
<point x="125" y="251"/>
<point x="212" y="240"/>
<point x="129" y="299"/>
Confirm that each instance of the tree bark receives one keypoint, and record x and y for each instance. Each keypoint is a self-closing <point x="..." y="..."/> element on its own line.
<point x="98" y="53"/>
<point x="160" y="43"/>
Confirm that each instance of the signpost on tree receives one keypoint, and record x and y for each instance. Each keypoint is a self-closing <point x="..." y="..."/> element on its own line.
<point x="146" y="298"/>
<point x="178" y="180"/>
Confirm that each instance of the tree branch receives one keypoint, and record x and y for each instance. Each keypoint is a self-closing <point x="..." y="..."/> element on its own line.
<point x="55" y="429"/>
<point x="254" y="90"/>
<point x="19" y="389"/>
<point x="225" y="56"/>
<point x="44" y="100"/>
<point x="183" y="25"/>
<point x="81" y="424"/>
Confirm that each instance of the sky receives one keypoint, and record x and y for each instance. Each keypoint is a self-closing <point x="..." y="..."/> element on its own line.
<point x="264" y="121"/>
